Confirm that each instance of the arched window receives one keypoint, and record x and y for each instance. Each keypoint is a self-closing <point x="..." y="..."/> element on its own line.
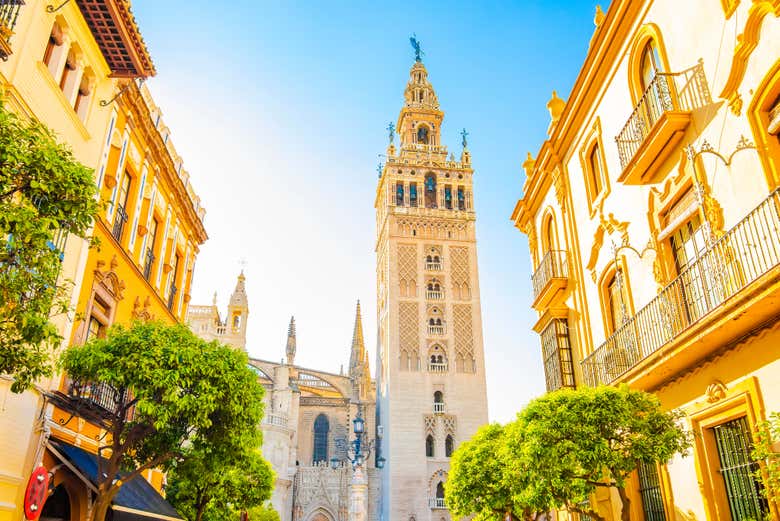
<point x="57" y="507"/>
<point x="449" y="445"/>
<point x="548" y="235"/>
<point x="429" y="446"/>
<point x="616" y="302"/>
<point x="321" y="427"/>
<point x="237" y="322"/>
<point x="422" y="131"/>
<point x="650" y="63"/>
<point x="595" y="171"/>
<point x="430" y="190"/>
<point x="438" y="397"/>
<point x="440" y="490"/>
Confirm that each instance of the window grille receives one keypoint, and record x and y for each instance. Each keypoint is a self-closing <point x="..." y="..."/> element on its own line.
<point x="650" y="491"/>
<point x="556" y="349"/>
<point x="743" y="489"/>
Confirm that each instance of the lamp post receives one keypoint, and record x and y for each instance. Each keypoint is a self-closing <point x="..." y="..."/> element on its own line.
<point x="357" y="451"/>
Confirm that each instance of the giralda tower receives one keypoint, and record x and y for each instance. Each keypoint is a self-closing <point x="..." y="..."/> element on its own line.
<point x="430" y="361"/>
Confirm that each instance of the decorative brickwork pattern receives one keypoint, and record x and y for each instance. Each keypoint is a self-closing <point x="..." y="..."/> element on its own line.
<point x="461" y="282"/>
<point x="449" y="423"/>
<point x="430" y="424"/>
<point x="407" y="269"/>
<point x="409" y="335"/>
<point x="464" y="338"/>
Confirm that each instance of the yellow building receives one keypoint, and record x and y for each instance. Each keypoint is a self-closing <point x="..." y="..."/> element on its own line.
<point x="72" y="65"/>
<point x="652" y="212"/>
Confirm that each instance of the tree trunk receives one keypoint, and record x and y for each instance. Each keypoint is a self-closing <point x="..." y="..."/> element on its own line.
<point x="590" y="513"/>
<point x="625" y="511"/>
<point x="100" y="507"/>
<point x="199" y="514"/>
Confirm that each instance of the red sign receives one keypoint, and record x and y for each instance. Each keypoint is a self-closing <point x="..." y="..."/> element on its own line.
<point x="35" y="495"/>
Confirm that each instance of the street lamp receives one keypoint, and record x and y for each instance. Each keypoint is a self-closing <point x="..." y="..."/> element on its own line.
<point x="358" y="449"/>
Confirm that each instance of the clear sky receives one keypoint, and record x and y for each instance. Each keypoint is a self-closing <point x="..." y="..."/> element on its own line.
<point x="279" y="110"/>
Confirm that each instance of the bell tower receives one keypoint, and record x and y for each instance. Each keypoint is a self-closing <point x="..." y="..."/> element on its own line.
<point x="430" y="363"/>
<point x="237" y="314"/>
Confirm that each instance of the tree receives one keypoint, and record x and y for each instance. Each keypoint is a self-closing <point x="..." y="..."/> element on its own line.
<point x="209" y="484"/>
<point x="483" y="481"/>
<point x="171" y="390"/>
<point x="44" y="194"/>
<point x="580" y="440"/>
<point x="765" y="449"/>
<point x="263" y="512"/>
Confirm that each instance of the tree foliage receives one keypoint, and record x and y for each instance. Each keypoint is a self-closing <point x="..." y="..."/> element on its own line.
<point x="484" y="482"/>
<point x="559" y="450"/>
<point x="44" y="194"/>
<point x="765" y="449"/>
<point x="175" y="393"/>
<point x="263" y="512"/>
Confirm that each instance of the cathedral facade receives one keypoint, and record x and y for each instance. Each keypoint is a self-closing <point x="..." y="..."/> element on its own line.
<point x="307" y="424"/>
<point x="430" y="363"/>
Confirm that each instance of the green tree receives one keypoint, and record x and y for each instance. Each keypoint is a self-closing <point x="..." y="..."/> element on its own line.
<point x="213" y="484"/>
<point x="173" y="391"/>
<point x="45" y="194"/>
<point x="263" y="512"/>
<point x="765" y="449"/>
<point x="579" y="440"/>
<point x="485" y="482"/>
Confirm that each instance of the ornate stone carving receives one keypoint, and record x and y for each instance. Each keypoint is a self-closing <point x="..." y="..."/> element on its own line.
<point x="409" y="335"/>
<point x="142" y="312"/>
<point x="609" y="225"/>
<point x="464" y="338"/>
<point x="109" y="278"/>
<point x="716" y="391"/>
<point x="459" y="263"/>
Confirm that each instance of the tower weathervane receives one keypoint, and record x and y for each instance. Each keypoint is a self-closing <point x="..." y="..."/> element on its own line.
<point x="379" y="168"/>
<point x="391" y="131"/>
<point x="416" y="46"/>
<point x="464" y="134"/>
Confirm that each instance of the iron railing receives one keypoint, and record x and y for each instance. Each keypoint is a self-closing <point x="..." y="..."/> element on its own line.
<point x="433" y="266"/>
<point x="438" y="407"/>
<point x="435" y="330"/>
<point x="554" y="265"/>
<point x="667" y="92"/>
<point x="556" y="350"/>
<point x="437" y="368"/>
<point x="738" y="258"/>
<point x="650" y="492"/>
<point x="119" y="222"/>
<point x="100" y="395"/>
<point x="148" y="262"/>
<point x="172" y="296"/>
<point x="433" y="294"/>
<point x="436" y="502"/>
<point x="276" y="419"/>
<point x="9" y="13"/>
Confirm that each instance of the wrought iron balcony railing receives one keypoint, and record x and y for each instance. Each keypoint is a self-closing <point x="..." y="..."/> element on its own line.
<point x="554" y="265"/>
<point x="98" y="395"/>
<point x="740" y="257"/>
<point x="9" y="13"/>
<point x="119" y="222"/>
<point x="667" y="92"/>
<point x="148" y="262"/>
<point x="438" y="407"/>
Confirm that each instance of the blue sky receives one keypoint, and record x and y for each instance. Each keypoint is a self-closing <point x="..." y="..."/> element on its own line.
<point x="279" y="111"/>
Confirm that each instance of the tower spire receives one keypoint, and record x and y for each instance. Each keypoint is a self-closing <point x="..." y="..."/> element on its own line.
<point x="291" y="345"/>
<point x="358" y="357"/>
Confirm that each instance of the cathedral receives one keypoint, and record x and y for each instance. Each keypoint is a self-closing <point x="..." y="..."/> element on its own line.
<point x="429" y="394"/>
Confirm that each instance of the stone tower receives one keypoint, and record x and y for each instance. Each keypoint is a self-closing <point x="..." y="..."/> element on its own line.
<point x="430" y="363"/>
<point x="237" y="314"/>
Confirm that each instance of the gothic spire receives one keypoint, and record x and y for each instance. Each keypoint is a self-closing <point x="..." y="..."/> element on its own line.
<point x="238" y="298"/>
<point x="358" y="358"/>
<point x="291" y="346"/>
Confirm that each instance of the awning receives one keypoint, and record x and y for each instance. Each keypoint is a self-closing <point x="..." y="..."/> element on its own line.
<point x="136" y="500"/>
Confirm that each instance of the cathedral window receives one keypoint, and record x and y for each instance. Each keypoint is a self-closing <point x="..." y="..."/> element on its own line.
<point x="429" y="446"/>
<point x="430" y="190"/>
<point x="449" y="446"/>
<point x="422" y="131"/>
<point x="321" y="428"/>
<point x="413" y="194"/>
<point x="399" y="194"/>
<point x="448" y="197"/>
<point x="461" y="198"/>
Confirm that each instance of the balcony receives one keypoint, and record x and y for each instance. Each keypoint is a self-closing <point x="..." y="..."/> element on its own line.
<point x="9" y="12"/>
<point x="433" y="266"/>
<point x="433" y="294"/>
<point x="550" y="277"/>
<point x="701" y="310"/>
<point x="280" y="420"/>
<point x="437" y="368"/>
<point x="438" y="407"/>
<point x="436" y="330"/>
<point x="148" y="262"/>
<point x="172" y="297"/>
<point x="658" y="122"/>
<point x="436" y="502"/>
<point x="119" y="223"/>
<point x="98" y="403"/>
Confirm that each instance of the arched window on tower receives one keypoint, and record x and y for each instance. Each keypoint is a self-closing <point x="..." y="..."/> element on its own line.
<point x="440" y="491"/>
<point x="429" y="446"/>
<point x="321" y="428"/>
<point x="449" y="446"/>
<point x="430" y="190"/>
<point x="422" y="131"/>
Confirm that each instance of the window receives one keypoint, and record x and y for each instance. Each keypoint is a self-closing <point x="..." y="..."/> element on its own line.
<point x="595" y="172"/>
<point x="399" y="194"/>
<point x="650" y="63"/>
<point x="429" y="446"/>
<point x="173" y="289"/>
<point x="461" y="198"/>
<point x="699" y="287"/>
<point x="449" y="446"/>
<point x="149" y="260"/>
<point x="121" y="210"/>
<point x="68" y="74"/>
<point x="99" y="318"/>
<point x="430" y="190"/>
<point x="413" y="194"/>
<point x="738" y="470"/>
<point x="83" y="96"/>
<point x="448" y="197"/>
<point x="440" y="490"/>
<point x="556" y="350"/>
<point x="422" y="131"/>
<point x="321" y="427"/>
<point x="617" y="309"/>
<point x="53" y="48"/>
<point x="650" y="492"/>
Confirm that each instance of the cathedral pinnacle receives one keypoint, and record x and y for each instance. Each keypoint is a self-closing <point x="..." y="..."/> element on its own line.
<point x="291" y="344"/>
<point x="238" y="298"/>
<point x="358" y="358"/>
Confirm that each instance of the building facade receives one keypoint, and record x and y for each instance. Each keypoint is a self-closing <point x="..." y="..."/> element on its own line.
<point x="653" y="218"/>
<point x="307" y="424"/>
<point x="430" y="361"/>
<point x="74" y="67"/>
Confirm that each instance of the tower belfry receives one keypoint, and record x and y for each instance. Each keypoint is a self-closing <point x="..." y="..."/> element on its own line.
<point x="237" y="314"/>
<point x="430" y="363"/>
